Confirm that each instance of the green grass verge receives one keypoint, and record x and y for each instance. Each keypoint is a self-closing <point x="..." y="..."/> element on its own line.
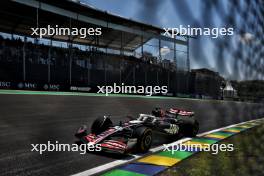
<point x="246" y="159"/>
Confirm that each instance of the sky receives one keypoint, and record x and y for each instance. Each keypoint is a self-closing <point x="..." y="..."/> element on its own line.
<point x="223" y="54"/>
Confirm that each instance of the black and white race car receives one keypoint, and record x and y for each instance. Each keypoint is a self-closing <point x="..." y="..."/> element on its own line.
<point x="136" y="133"/>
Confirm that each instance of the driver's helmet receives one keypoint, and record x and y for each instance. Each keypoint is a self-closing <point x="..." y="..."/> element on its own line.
<point x="158" y="112"/>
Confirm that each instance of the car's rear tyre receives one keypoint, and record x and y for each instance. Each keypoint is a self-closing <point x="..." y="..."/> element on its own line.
<point x="101" y="124"/>
<point x="144" y="139"/>
<point x="192" y="130"/>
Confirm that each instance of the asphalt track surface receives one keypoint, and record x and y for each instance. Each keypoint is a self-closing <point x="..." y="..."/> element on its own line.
<point x="31" y="119"/>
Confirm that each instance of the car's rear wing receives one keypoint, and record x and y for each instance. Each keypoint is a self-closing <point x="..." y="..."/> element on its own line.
<point x="180" y="112"/>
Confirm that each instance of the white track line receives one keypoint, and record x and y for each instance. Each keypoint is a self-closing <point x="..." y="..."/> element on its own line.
<point x="116" y="163"/>
<point x="120" y="162"/>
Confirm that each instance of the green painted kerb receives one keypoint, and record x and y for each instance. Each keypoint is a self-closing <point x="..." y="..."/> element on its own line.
<point x="177" y="154"/>
<point x="236" y="128"/>
<point x="221" y="134"/>
<point x="119" y="172"/>
<point x="206" y="141"/>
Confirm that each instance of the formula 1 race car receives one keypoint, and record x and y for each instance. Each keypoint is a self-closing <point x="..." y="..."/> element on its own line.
<point x="136" y="133"/>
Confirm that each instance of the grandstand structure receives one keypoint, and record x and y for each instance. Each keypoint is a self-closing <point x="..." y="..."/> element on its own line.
<point x="128" y="51"/>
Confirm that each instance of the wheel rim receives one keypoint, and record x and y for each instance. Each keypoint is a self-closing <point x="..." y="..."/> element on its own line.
<point x="147" y="140"/>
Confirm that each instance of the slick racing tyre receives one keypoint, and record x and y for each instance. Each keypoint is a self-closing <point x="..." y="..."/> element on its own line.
<point x="144" y="139"/>
<point x="101" y="124"/>
<point x="193" y="129"/>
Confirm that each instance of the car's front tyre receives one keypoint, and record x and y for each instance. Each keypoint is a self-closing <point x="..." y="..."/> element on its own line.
<point x="144" y="139"/>
<point x="101" y="124"/>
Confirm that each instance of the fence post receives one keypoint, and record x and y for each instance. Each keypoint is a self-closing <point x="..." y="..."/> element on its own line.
<point x="49" y="60"/>
<point x="24" y="59"/>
